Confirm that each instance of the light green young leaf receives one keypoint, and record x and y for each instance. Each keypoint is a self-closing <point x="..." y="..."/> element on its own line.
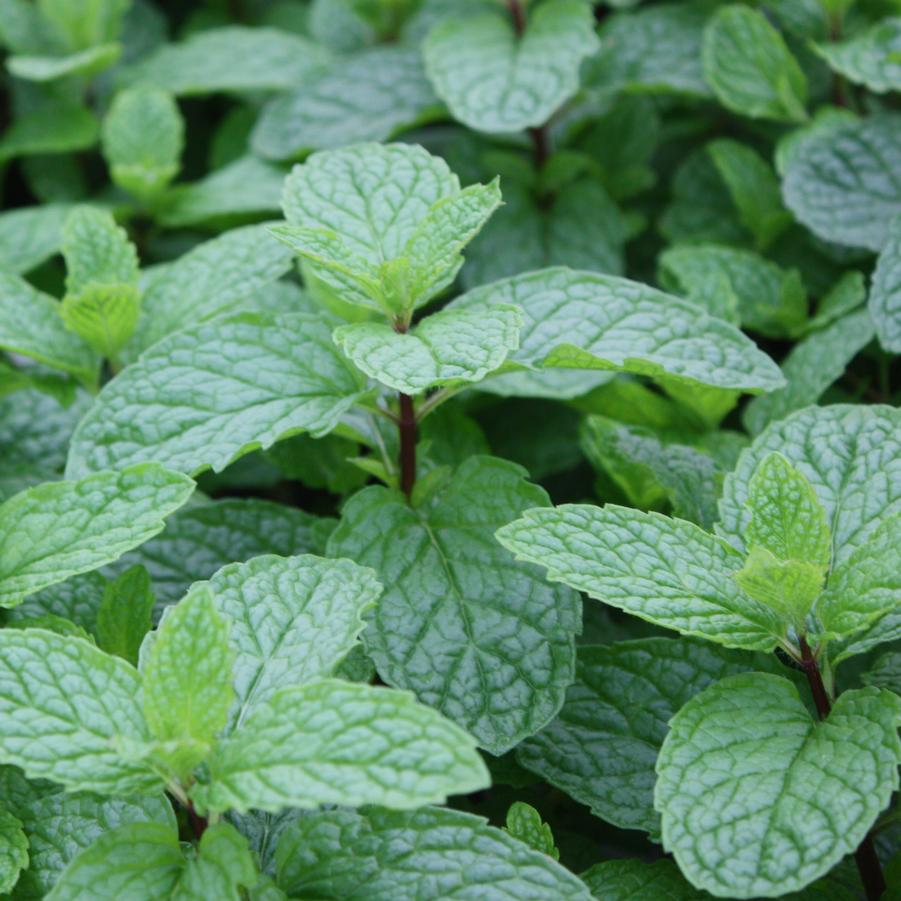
<point x="143" y="137"/>
<point x="223" y="273"/>
<point x="60" y="825"/>
<point x="85" y="63"/>
<point x="223" y="866"/>
<point x="851" y="455"/>
<point x="65" y="704"/>
<point x="497" y="81"/>
<point x="806" y="792"/>
<point x="58" y="529"/>
<point x="383" y="855"/>
<point x="866" y="586"/>
<point x="86" y="23"/>
<point x="786" y="518"/>
<point x="199" y="540"/>
<point x="187" y="679"/>
<point x="841" y="183"/>
<point x="870" y="58"/>
<point x="13" y="850"/>
<point x="371" y="95"/>
<point x="750" y="68"/>
<point x="104" y="316"/>
<point x="30" y="324"/>
<point x="293" y="620"/>
<point x="885" y="291"/>
<point x="246" y="187"/>
<point x="208" y="395"/>
<point x="333" y="742"/>
<point x="666" y="571"/>
<point x="789" y="587"/>
<point x="233" y="59"/>
<point x="132" y="863"/>
<point x="602" y="746"/>
<point x="52" y="128"/>
<point x="637" y="880"/>
<point x="508" y="632"/>
<point x="124" y="616"/>
<point x="446" y="347"/>
<point x="585" y="320"/>
<point x="810" y="367"/>
<point x="525" y="823"/>
<point x="30" y="235"/>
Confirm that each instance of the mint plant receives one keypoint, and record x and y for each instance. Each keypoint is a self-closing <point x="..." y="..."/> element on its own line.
<point x="449" y="449"/>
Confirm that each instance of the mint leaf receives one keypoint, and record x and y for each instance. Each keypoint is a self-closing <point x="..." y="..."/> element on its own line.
<point x="380" y="855"/>
<point x="205" y="396"/>
<point x="65" y="704"/>
<point x="332" y="742"/>
<point x="810" y="367"/>
<point x="869" y="57"/>
<point x="30" y="235"/>
<point x="222" y="868"/>
<point x="497" y="81"/>
<point x="13" y="850"/>
<point x="54" y="127"/>
<point x="292" y="620"/>
<point x="524" y="823"/>
<point x="849" y="454"/>
<point x="234" y="59"/>
<point x="371" y="95"/>
<point x="446" y="347"/>
<point x="143" y="138"/>
<point x="84" y="25"/>
<point x="806" y="792"/>
<point x="841" y="183"/>
<point x="50" y="68"/>
<point x="602" y="747"/>
<point x="509" y="634"/>
<point x="749" y="67"/>
<point x="58" y="529"/>
<point x="885" y="292"/>
<point x="187" y="680"/>
<point x="636" y="880"/>
<point x="592" y="321"/>
<point x="789" y="587"/>
<point x="666" y="571"/>
<point x="30" y="324"/>
<point x="124" y="616"/>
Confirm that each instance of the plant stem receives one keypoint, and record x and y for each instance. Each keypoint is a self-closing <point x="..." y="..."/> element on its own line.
<point x="198" y="823"/>
<point x="407" y="427"/>
<point x="865" y="856"/>
<point x="519" y="15"/>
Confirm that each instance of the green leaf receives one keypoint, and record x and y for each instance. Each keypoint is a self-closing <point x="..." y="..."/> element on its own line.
<point x="371" y="95"/>
<point x="246" y="187"/>
<point x="208" y="395"/>
<point x="525" y="823"/>
<point x="293" y="620"/>
<point x="143" y="138"/>
<point x="786" y="518"/>
<point x="187" y="679"/>
<point x="585" y="320"/>
<point x="491" y="644"/>
<point x="870" y="58"/>
<point x="30" y="235"/>
<point x="199" y="540"/>
<point x="636" y="880"/>
<point x="851" y="455"/>
<point x="104" y="316"/>
<point x="75" y="600"/>
<point x="806" y="793"/>
<point x="789" y="587"/>
<point x="65" y="705"/>
<point x="381" y="855"/>
<point x="54" y="127"/>
<point x="333" y="742"/>
<point x="13" y="850"/>
<point x="841" y="182"/>
<point x="60" y="825"/>
<point x="223" y="274"/>
<point x="749" y="67"/>
<point x="234" y="58"/>
<point x="866" y="586"/>
<point x="666" y="571"/>
<point x="132" y="863"/>
<point x="446" y="347"/>
<point x="885" y="672"/>
<point x="766" y="298"/>
<point x="223" y="866"/>
<point x="124" y="616"/>
<point x="885" y="292"/>
<point x="86" y="23"/>
<point x="602" y="746"/>
<point x="810" y="367"/>
<point x="496" y="81"/>
<point x="58" y="529"/>
<point x="86" y="63"/>
<point x="30" y="324"/>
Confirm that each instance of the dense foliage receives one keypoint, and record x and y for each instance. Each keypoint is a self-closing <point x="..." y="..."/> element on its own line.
<point x="336" y="566"/>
